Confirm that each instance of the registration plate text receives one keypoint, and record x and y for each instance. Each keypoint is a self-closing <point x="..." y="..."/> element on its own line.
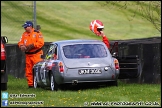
<point x="89" y="71"/>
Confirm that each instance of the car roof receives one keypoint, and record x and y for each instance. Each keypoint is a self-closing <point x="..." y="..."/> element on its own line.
<point x="76" y="41"/>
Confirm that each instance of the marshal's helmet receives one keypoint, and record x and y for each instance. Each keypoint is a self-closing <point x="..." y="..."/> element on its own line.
<point x="96" y="26"/>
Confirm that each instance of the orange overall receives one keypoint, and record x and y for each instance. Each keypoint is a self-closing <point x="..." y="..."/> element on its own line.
<point x="34" y="55"/>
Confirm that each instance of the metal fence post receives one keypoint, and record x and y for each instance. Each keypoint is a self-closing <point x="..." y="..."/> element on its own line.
<point x="34" y="9"/>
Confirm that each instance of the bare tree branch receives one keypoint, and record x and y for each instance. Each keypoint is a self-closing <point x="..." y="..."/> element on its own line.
<point x="150" y="10"/>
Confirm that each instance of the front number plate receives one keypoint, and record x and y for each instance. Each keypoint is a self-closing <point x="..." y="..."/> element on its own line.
<point x="89" y="71"/>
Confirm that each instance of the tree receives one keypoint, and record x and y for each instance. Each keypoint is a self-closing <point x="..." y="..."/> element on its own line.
<point x="150" y="10"/>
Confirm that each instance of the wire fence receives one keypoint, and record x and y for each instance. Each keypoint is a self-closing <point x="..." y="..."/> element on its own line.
<point x="13" y="15"/>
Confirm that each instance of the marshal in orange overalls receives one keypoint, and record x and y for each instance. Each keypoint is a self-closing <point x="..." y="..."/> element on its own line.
<point x="33" y="55"/>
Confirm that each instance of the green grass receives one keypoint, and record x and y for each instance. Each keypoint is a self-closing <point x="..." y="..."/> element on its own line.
<point x="147" y="93"/>
<point x="61" y="20"/>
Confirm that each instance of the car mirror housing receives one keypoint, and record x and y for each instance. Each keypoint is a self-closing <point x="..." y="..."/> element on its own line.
<point x="42" y="56"/>
<point x="4" y="39"/>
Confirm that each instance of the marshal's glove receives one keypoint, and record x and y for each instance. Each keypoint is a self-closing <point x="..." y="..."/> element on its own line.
<point x="23" y="48"/>
<point x="29" y="47"/>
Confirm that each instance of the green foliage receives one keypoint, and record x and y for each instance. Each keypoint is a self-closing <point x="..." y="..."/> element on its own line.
<point x="76" y="97"/>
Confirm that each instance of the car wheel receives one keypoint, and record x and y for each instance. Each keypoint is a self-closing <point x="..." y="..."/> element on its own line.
<point x="53" y="84"/>
<point x="35" y="81"/>
<point x="112" y="83"/>
<point x="3" y="86"/>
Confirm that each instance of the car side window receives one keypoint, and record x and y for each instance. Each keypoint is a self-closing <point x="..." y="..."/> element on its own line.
<point x="55" y="54"/>
<point x="51" y="52"/>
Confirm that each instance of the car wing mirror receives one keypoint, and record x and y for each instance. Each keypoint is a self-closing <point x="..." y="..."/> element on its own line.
<point x="43" y="56"/>
<point x="4" y="39"/>
<point x="115" y="54"/>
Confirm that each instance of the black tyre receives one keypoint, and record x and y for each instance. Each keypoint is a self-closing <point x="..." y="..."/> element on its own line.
<point x="53" y="84"/>
<point x="112" y="83"/>
<point x="115" y="83"/>
<point x="3" y="86"/>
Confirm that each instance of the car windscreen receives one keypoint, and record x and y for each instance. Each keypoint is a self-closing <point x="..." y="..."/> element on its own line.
<point x="84" y="51"/>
